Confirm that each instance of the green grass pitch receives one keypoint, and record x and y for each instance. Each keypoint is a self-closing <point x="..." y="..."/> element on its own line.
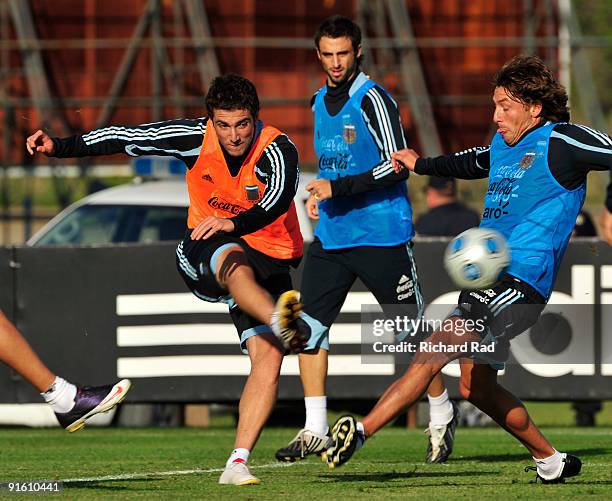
<point x="159" y="464"/>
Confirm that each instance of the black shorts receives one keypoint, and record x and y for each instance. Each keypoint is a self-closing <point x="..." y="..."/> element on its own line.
<point x="506" y="310"/>
<point x="388" y="272"/>
<point x="196" y="262"/>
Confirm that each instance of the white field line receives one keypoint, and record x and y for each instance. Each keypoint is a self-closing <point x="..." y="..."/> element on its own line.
<point x="176" y="473"/>
<point x="173" y="473"/>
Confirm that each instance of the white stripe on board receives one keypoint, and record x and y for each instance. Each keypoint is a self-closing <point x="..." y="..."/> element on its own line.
<point x="355" y="300"/>
<point x="177" y="335"/>
<point x="205" y="334"/>
<point x="606" y="276"/>
<point x="240" y="365"/>
<point x="186" y="302"/>
<point x="161" y="304"/>
<point x="346" y="333"/>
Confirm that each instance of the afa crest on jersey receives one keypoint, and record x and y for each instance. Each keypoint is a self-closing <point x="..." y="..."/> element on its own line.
<point x="350" y="133"/>
<point x="252" y="193"/>
<point x="527" y="160"/>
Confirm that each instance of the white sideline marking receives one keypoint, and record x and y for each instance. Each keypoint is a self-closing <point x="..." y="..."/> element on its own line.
<point x="144" y="476"/>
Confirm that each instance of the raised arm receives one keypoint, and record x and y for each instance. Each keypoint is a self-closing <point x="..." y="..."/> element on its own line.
<point x="468" y="164"/>
<point x="473" y="163"/>
<point x="179" y="138"/>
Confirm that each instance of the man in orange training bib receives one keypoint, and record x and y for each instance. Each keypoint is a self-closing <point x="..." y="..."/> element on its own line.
<point x="243" y="233"/>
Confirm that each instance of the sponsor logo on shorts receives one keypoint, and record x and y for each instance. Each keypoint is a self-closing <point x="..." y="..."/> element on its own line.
<point x="480" y="298"/>
<point x="405" y="288"/>
<point x="495" y="212"/>
<point x="224" y="205"/>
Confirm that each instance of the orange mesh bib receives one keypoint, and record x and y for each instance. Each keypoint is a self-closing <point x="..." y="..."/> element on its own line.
<point x="214" y="192"/>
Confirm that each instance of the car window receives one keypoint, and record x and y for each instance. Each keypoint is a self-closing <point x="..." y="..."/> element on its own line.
<point x="163" y="223"/>
<point x="86" y="225"/>
<point x="100" y="224"/>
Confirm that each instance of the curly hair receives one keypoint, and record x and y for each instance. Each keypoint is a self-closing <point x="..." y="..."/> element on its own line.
<point x="232" y="92"/>
<point x="339" y="26"/>
<point x="528" y="80"/>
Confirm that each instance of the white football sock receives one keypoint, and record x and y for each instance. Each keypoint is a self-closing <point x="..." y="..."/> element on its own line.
<point x="440" y="410"/>
<point x="238" y="456"/>
<point x="362" y="436"/>
<point x="60" y="396"/>
<point x="275" y="324"/>
<point x="550" y="468"/>
<point x="316" y="414"/>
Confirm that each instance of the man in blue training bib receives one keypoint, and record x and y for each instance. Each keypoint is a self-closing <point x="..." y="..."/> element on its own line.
<point x="359" y="235"/>
<point x="537" y="166"/>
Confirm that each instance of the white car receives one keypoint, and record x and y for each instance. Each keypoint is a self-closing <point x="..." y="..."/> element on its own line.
<point x="138" y="212"/>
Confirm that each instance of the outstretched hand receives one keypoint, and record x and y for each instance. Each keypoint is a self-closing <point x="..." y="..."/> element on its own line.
<point x="404" y="159"/>
<point x="40" y="142"/>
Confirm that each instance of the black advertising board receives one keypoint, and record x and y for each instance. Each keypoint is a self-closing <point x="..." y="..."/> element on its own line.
<point x="7" y="296"/>
<point x="95" y="314"/>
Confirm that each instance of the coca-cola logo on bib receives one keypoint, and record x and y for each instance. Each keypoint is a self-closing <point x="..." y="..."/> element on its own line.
<point x="224" y="205"/>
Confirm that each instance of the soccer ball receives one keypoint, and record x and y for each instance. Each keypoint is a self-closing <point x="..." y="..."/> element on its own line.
<point x="476" y="258"/>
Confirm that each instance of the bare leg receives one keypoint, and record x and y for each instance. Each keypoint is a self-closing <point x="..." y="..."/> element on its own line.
<point x="234" y="272"/>
<point x="479" y="386"/>
<point x="411" y="386"/>
<point x="401" y="394"/>
<point x="313" y="372"/>
<point x="436" y="387"/>
<point x="259" y="394"/>
<point x="17" y="353"/>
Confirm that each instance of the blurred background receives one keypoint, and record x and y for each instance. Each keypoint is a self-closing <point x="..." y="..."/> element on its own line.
<point x="69" y="66"/>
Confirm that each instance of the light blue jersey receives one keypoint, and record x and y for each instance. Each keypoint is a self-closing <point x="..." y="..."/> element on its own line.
<point x="346" y="147"/>
<point x="530" y="208"/>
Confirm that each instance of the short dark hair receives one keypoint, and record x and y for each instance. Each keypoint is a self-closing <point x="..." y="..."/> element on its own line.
<point x="336" y="27"/>
<point x="446" y="185"/>
<point x="232" y="92"/>
<point x="528" y="80"/>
